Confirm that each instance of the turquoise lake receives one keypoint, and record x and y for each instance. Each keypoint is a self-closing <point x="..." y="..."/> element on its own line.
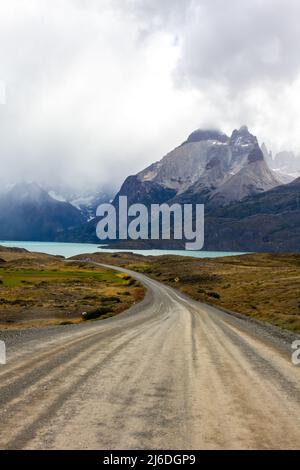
<point x="72" y="249"/>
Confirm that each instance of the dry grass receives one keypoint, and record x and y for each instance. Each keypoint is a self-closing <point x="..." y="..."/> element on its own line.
<point x="41" y="290"/>
<point x="38" y="290"/>
<point x="262" y="286"/>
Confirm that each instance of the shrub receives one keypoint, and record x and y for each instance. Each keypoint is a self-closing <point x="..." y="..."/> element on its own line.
<point x="110" y="298"/>
<point x="96" y="313"/>
<point x="90" y="297"/>
<point x="215" y="295"/>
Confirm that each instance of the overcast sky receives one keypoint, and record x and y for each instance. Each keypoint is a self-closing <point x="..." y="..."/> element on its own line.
<point x="97" y="89"/>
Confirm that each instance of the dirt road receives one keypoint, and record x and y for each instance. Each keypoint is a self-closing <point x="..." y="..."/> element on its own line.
<point x="170" y="374"/>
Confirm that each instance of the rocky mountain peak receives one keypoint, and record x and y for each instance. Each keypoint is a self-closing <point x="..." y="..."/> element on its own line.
<point x="244" y="130"/>
<point x="28" y="191"/>
<point x="207" y="135"/>
<point x="255" y="155"/>
<point x="242" y="136"/>
<point x="209" y="165"/>
<point x="214" y="162"/>
<point x="27" y="212"/>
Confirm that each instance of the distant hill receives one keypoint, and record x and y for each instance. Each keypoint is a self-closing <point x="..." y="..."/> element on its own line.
<point x="246" y="206"/>
<point x="264" y="222"/>
<point x="27" y="212"/>
<point x="285" y="164"/>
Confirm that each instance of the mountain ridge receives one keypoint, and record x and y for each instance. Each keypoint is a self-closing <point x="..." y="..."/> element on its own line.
<point x="29" y="213"/>
<point x="194" y="171"/>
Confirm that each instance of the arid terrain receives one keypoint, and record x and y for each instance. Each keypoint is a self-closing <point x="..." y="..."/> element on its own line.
<point x="169" y="373"/>
<point x="262" y="286"/>
<point x="38" y="290"/>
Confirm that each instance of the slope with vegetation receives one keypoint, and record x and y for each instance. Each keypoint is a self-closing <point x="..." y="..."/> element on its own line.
<point x="39" y="290"/>
<point x="261" y="286"/>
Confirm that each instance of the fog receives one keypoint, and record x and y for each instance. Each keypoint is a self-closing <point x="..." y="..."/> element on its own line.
<point x="96" y="90"/>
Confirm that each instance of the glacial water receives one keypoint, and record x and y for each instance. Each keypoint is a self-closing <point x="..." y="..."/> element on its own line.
<point x="72" y="249"/>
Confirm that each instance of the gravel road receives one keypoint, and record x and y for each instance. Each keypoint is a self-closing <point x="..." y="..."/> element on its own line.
<point x="170" y="373"/>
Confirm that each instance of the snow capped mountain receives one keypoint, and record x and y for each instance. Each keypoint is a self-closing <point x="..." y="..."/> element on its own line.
<point x="209" y="165"/>
<point x="254" y="177"/>
<point x="285" y="164"/>
<point x="184" y="165"/>
<point x="86" y="201"/>
<point x="28" y="212"/>
<point x="28" y="192"/>
<point x="57" y="197"/>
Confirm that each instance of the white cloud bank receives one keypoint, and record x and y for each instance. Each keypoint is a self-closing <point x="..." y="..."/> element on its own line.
<point x="95" y="90"/>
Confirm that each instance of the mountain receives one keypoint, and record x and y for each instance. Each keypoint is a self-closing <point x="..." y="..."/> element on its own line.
<point x="269" y="221"/>
<point x="246" y="206"/>
<point x="28" y="212"/>
<point x="178" y="170"/>
<point x="211" y="168"/>
<point x="287" y="161"/>
<point x="254" y="177"/>
<point x="265" y="222"/>
<point x="285" y="164"/>
<point x="86" y="201"/>
<point x="208" y="166"/>
<point x="268" y="155"/>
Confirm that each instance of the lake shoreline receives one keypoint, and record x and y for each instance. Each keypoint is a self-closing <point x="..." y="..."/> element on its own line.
<point x="73" y="249"/>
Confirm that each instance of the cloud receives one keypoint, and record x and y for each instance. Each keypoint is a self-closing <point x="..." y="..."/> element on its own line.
<point x="96" y="90"/>
<point x="86" y="98"/>
<point x="240" y="57"/>
<point x="233" y="42"/>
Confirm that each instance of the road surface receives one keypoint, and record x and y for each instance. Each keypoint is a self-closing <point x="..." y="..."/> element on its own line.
<point x="170" y="373"/>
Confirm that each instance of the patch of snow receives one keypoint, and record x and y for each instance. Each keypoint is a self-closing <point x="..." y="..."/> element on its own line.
<point x="285" y="176"/>
<point x="56" y="196"/>
<point x="82" y="202"/>
<point x="217" y="142"/>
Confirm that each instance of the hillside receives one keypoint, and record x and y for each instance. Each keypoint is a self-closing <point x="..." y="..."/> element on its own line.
<point x="27" y="212"/>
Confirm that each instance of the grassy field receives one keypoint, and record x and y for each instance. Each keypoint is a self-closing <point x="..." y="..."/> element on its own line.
<point x="261" y="286"/>
<point x="40" y="290"/>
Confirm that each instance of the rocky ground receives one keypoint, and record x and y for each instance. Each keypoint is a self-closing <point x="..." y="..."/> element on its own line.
<point x="262" y="286"/>
<point x="40" y="290"/>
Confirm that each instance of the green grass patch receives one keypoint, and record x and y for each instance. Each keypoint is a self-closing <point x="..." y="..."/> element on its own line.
<point x="17" y="277"/>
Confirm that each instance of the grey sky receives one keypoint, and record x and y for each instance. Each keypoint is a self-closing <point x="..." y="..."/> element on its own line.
<point x="98" y="89"/>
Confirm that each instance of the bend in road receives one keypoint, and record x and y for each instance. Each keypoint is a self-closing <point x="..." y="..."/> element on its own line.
<point x="170" y="373"/>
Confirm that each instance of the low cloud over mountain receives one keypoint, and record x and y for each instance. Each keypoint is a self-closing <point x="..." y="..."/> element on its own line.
<point x="209" y="167"/>
<point x="97" y="90"/>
